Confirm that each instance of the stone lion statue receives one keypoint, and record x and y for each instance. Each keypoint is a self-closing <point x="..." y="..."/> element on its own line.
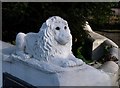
<point x="53" y="43"/>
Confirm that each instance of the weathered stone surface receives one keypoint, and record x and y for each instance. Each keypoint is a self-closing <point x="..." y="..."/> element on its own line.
<point x="113" y="50"/>
<point x="99" y="44"/>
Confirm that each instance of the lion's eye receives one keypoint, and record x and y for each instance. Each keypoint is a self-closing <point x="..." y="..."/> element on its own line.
<point x="57" y="28"/>
<point x="65" y="27"/>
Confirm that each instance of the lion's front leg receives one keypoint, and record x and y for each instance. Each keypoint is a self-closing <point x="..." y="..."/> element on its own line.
<point x="68" y="63"/>
<point x="71" y="61"/>
<point x="77" y="61"/>
<point x="23" y="54"/>
<point x="63" y="62"/>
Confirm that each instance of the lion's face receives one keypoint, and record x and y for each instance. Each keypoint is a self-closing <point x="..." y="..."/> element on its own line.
<point x="60" y="30"/>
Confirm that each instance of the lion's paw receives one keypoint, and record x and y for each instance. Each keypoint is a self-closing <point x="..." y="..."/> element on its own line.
<point x="26" y="56"/>
<point x="23" y="55"/>
<point x="69" y="63"/>
<point x="78" y="62"/>
<point x="72" y="63"/>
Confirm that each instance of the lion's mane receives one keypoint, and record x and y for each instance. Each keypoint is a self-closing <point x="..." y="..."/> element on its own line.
<point x="46" y="47"/>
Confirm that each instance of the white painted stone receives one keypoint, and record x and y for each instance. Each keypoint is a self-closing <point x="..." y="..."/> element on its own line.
<point x="71" y="76"/>
<point x="52" y="43"/>
<point x="46" y="59"/>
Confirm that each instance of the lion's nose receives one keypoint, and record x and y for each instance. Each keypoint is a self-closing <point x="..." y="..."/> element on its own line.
<point x="66" y="35"/>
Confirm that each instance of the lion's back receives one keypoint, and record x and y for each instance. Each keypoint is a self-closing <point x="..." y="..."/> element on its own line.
<point x="31" y="41"/>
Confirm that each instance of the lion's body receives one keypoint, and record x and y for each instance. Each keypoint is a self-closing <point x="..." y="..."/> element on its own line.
<point x="39" y="49"/>
<point x="54" y="40"/>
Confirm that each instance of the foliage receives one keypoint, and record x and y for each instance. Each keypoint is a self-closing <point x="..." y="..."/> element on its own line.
<point x="29" y="16"/>
<point x="80" y="56"/>
<point x="107" y="55"/>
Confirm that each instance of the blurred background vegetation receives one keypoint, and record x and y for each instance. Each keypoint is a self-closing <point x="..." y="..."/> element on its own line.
<point x="29" y="16"/>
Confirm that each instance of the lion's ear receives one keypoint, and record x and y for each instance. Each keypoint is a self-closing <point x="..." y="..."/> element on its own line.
<point x="43" y="26"/>
<point x="65" y="22"/>
<point x="51" y="20"/>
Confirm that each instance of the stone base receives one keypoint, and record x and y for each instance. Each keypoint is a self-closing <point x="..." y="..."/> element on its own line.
<point x="35" y="75"/>
<point x="87" y="76"/>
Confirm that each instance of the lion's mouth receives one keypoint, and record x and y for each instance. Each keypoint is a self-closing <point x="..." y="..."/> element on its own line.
<point x="63" y="41"/>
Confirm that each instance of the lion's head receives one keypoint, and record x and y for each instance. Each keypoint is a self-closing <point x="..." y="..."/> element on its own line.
<point x="59" y="29"/>
<point x="55" y="37"/>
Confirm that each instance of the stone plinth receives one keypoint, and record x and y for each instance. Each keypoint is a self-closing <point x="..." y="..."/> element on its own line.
<point x="82" y="76"/>
<point x="37" y="75"/>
